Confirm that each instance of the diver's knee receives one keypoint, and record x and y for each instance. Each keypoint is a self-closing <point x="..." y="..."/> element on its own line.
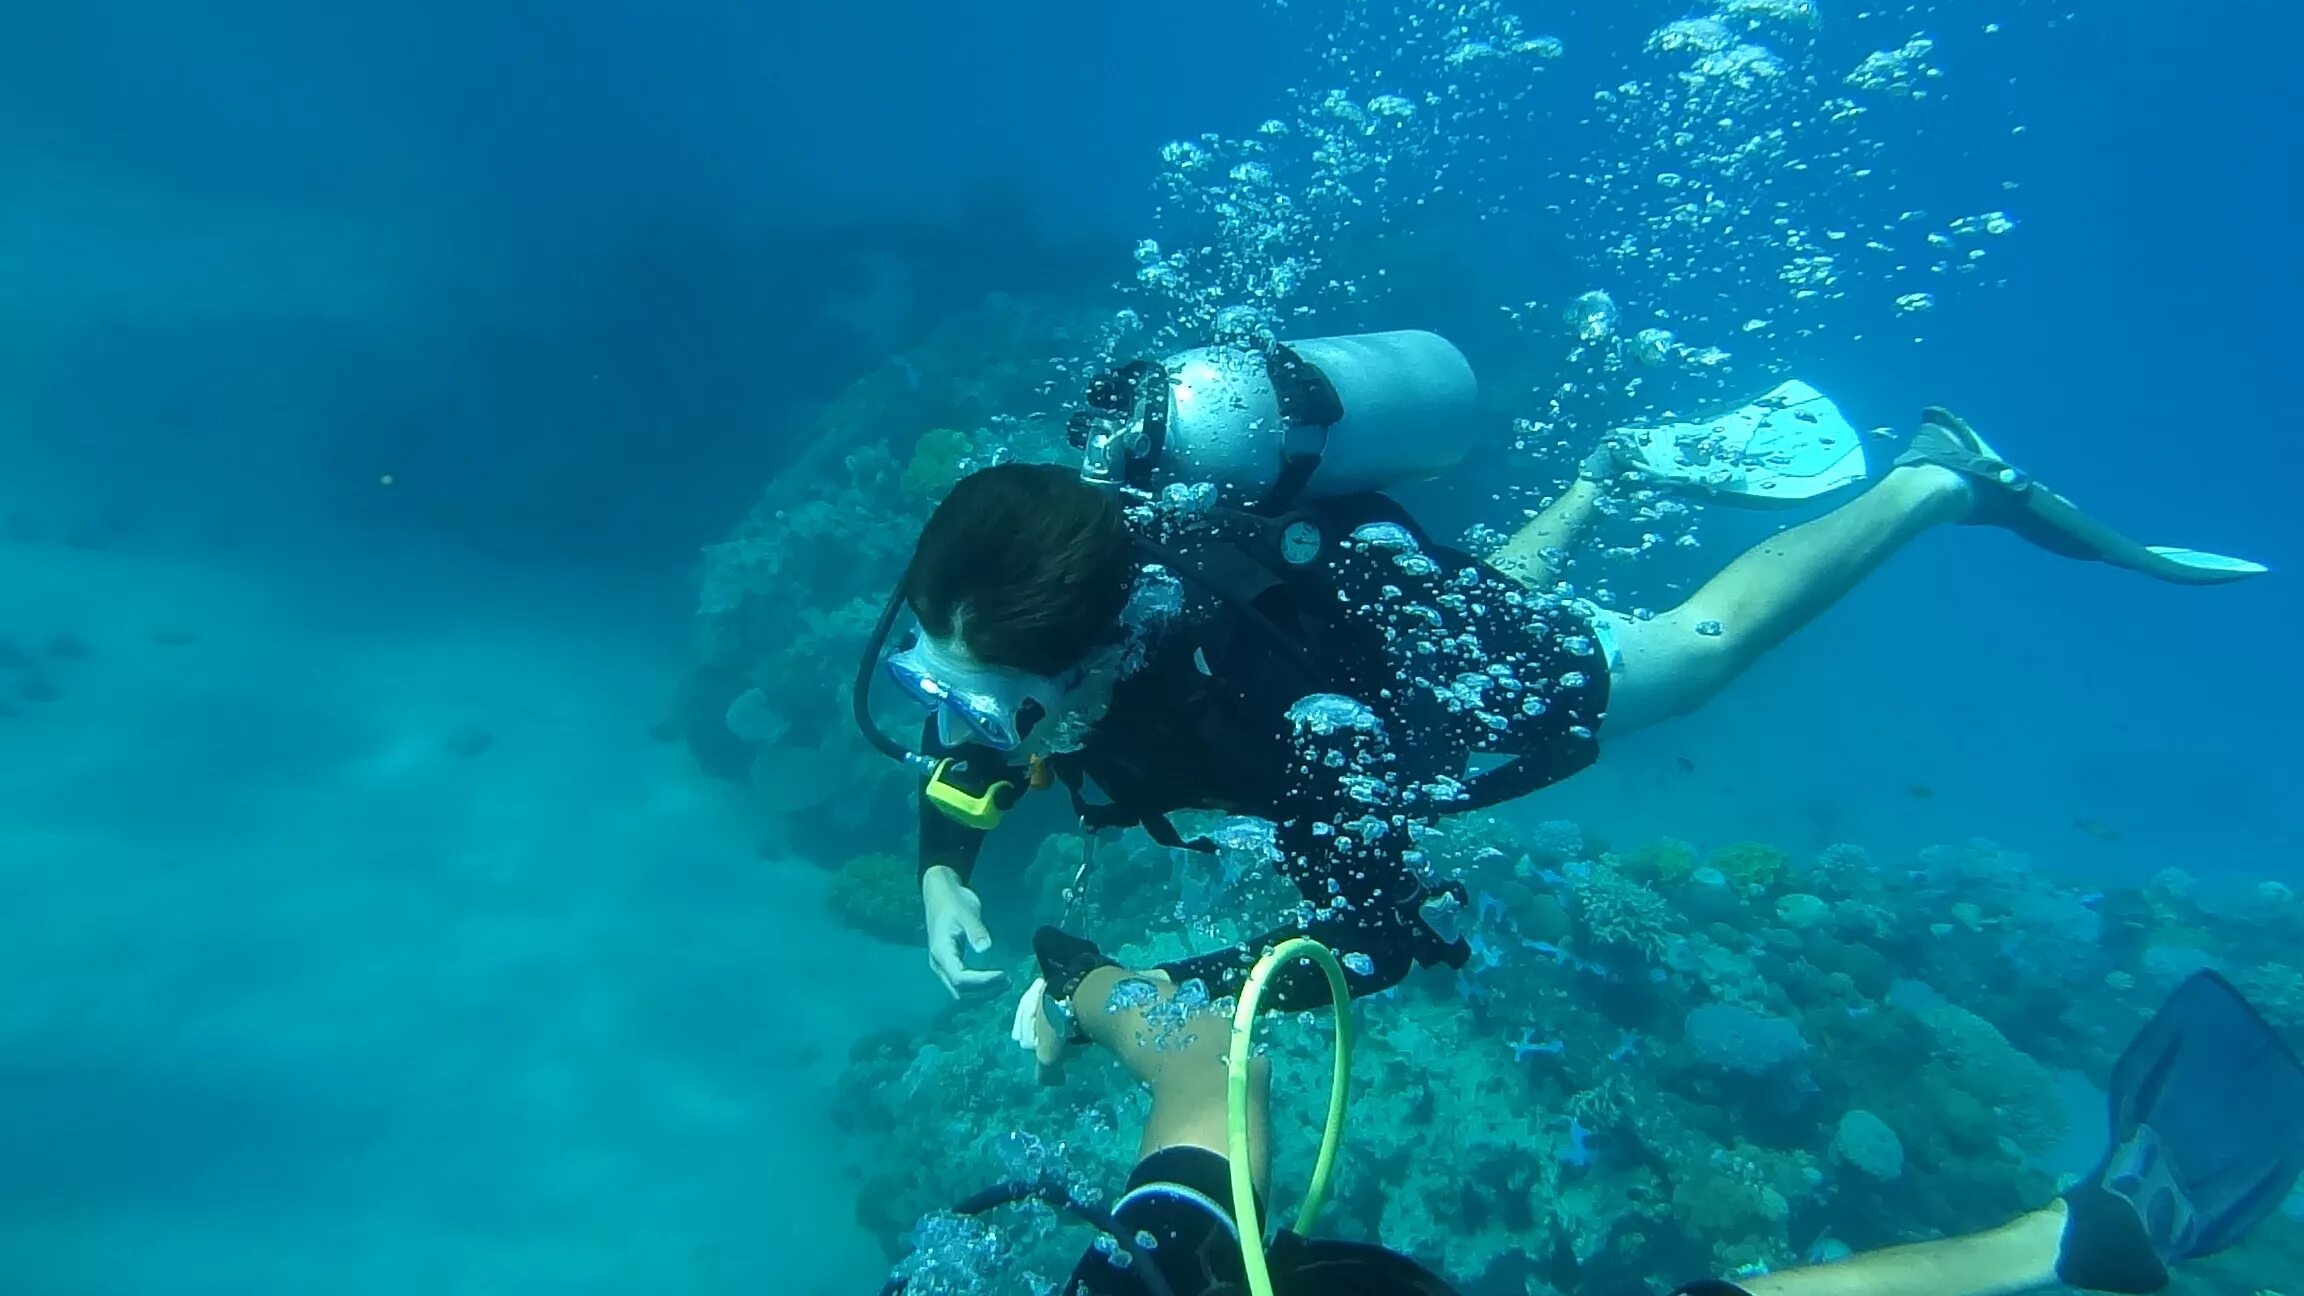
<point x="1667" y="667"/>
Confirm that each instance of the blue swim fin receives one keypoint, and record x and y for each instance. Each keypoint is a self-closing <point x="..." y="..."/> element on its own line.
<point x="2207" y="1124"/>
<point x="2010" y="498"/>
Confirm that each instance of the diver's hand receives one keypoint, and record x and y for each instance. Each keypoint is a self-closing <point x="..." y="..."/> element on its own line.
<point x="955" y="921"/>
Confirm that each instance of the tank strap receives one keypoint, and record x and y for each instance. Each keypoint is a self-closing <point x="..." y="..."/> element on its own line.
<point x="1309" y="406"/>
<point x="1304" y="393"/>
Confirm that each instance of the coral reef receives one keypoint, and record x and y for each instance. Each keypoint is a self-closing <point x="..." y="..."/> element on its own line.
<point x="1616" y="1087"/>
<point x="798" y="584"/>
<point x="940" y="458"/>
<point x="1750" y="864"/>
<point x="878" y="894"/>
<point x="1664" y="1062"/>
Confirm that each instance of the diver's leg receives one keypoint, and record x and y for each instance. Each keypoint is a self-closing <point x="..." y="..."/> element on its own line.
<point x="1534" y="554"/>
<point x="2018" y="1256"/>
<point x="1180" y="1054"/>
<point x="1179" y="1199"/>
<point x="1676" y="662"/>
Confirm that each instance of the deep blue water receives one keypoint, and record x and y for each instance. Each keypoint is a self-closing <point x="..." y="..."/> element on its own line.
<point x="297" y="996"/>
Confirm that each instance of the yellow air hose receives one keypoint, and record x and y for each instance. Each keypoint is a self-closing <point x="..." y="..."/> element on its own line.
<point x="1243" y="1047"/>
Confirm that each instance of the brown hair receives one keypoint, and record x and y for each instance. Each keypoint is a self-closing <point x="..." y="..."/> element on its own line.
<point x="1029" y="563"/>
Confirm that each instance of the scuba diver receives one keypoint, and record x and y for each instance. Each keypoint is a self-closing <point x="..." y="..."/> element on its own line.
<point x="2206" y="1139"/>
<point x="1219" y="610"/>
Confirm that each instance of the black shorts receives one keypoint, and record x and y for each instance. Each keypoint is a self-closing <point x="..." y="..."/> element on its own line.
<point x="1177" y="1210"/>
<point x="1178" y="1213"/>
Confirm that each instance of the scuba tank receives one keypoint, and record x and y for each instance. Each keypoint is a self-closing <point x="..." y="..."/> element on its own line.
<point x="1268" y="425"/>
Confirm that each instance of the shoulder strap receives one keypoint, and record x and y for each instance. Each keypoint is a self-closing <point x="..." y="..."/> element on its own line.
<point x="1236" y="582"/>
<point x="1309" y="406"/>
<point x="1098" y="815"/>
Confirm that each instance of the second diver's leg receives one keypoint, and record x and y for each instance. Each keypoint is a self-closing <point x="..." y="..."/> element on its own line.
<point x="2016" y="1257"/>
<point x="1178" y="1206"/>
<point x="1536" y="552"/>
<point x="1180" y="1055"/>
<point x="1677" y="661"/>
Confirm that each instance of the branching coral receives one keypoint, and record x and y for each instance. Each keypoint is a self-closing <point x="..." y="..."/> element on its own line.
<point x="1612" y="909"/>
<point x="1594" y="1151"/>
<point x="939" y="458"/>
<point x="1664" y="860"/>
<point x="1750" y="864"/>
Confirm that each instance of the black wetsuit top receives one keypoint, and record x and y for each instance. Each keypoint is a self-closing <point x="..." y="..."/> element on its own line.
<point x="1446" y="655"/>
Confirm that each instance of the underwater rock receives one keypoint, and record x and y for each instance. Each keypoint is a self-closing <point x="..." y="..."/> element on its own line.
<point x="1708" y="897"/>
<point x="66" y="646"/>
<point x="13" y="657"/>
<point x="2168" y="966"/>
<point x="20" y="528"/>
<point x="753" y="718"/>
<point x="2277" y="990"/>
<point x="1803" y="912"/>
<point x="700" y="712"/>
<point x="1545" y="919"/>
<point x="1864" y="1142"/>
<point x="34" y="687"/>
<point x="1865" y="967"/>
<point x="172" y="636"/>
<point x="1731" y="1037"/>
<point x="1716" y="1206"/>
<point x="2016" y="1091"/>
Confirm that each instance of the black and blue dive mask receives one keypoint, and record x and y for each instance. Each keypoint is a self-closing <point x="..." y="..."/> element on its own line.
<point x="973" y="701"/>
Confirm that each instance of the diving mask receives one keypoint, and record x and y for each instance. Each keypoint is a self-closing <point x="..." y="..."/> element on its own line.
<point x="973" y="701"/>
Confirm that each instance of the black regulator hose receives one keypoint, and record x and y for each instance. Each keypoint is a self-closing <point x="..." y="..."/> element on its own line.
<point x="860" y="694"/>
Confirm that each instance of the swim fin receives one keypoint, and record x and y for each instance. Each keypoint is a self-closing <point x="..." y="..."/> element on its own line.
<point x="2207" y="1124"/>
<point x="2008" y="497"/>
<point x="1788" y="447"/>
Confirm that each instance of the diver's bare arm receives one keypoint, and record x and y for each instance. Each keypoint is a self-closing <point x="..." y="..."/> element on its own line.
<point x="2016" y="1257"/>
<point x="1533" y="556"/>
<point x="1182" y="1058"/>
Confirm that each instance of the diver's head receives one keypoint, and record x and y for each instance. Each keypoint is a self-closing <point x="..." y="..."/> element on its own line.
<point x="1018" y="582"/>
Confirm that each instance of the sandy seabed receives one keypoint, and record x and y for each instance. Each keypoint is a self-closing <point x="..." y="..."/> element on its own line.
<point x="360" y="940"/>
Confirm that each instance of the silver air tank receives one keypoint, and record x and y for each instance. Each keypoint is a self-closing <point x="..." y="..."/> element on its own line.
<point x="1368" y="411"/>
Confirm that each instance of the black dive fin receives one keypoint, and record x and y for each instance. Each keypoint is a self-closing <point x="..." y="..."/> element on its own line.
<point x="2207" y="1127"/>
